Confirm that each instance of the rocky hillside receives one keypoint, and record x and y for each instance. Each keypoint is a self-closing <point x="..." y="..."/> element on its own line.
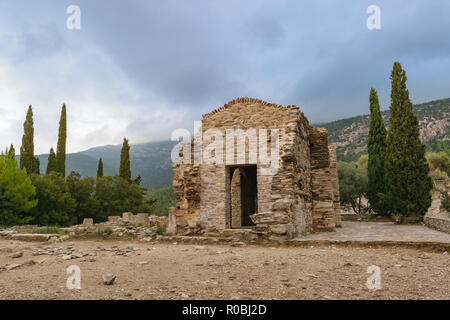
<point x="350" y="135"/>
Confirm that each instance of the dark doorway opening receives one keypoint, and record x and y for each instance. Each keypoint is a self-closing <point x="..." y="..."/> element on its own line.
<point x="243" y="195"/>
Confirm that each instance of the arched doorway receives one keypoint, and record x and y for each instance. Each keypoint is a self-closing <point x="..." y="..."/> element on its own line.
<point x="243" y="196"/>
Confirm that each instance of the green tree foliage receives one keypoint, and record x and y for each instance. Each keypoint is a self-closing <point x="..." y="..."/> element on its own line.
<point x="100" y="168"/>
<point x="125" y="167"/>
<point x="83" y="192"/>
<point x="406" y="170"/>
<point x="137" y="180"/>
<point x="61" y="146"/>
<point x="27" y="159"/>
<point x="439" y="161"/>
<point x="11" y="151"/>
<point x="17" y="193"/>
<point x="117" y="195"/>
<point x="162" y="199"/>
<point x="52" y="165"/>
<point x="55" y="206"/>
<point x="353" y="186"/>
<point x="376" y="147"/>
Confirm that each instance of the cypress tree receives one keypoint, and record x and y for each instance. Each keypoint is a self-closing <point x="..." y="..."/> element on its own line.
<point x="100" y="168"/>
<point x="27" y="159"/>
<point x="37" y="165"/>
<point x="406" y="169"/>
<point x="376" y="147"/>
<point x="125" y="169"/>
<point x="52" y="165"/>
<point x="11" y="151"/>
<point x="61" y="146"/>
<point x="137" y="180"/>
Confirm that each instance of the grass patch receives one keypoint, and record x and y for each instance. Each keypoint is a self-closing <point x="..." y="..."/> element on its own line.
<point x="49" y="230"/>
<point x="105" y="232"/>
<point x="161" y="231"/>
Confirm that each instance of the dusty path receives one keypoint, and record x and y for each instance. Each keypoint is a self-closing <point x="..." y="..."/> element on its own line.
<point x="381" y="231"/>
<point x="174" y="271"/>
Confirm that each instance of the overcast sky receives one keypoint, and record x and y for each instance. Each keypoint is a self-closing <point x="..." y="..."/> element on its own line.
<point x="143" y="68"/>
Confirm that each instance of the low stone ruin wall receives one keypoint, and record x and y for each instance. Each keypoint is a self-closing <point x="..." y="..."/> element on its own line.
<point x="438" y="223"/>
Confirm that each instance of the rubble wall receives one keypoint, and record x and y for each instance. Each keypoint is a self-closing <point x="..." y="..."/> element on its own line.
<point x="323" y="206"/>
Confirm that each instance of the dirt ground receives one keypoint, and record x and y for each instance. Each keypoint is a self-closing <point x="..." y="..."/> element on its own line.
<point x="179" y="271"/>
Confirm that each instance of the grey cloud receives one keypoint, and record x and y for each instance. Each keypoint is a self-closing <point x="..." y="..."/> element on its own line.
<point x="182" y="59"/>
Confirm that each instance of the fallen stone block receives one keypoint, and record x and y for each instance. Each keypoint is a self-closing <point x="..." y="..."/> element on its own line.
<point x="32" y="237"/>
<point x="108" y="279"/>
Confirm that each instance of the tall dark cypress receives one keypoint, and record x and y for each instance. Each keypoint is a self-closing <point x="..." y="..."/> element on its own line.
<point x="376" y="147"/>
<point x="52" y="165"/>
<point x="61" y="146"/>
<point x="406" y="169"/>
<point x="100" y="168"/>
<point x="125" y="168"/>
<point x="12" y="151"/>
<point x="27" y="159"/>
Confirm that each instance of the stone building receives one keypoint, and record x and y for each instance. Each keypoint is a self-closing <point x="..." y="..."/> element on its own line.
<point x="259" y="166"/>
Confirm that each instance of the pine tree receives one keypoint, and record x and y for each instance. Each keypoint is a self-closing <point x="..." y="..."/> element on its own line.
<point x="125" y="170"/>
<point x="406" y="169"/>
<point x="376" y="147"/>
<point x="100" y="168"/>
<point x="61" y="147"/>
<point x="27" y="159"/>
<point x="52" y="165"/>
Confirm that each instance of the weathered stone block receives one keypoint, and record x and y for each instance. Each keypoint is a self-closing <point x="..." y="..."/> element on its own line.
<point x="142" y="219"/>
<point x="114" y="219"/>
<point x="127" y="217"/>
<point x="87" y="222"/>
<point x="172" y="223"/>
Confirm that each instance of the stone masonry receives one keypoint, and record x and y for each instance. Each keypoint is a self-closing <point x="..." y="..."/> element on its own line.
<point x="300" y="196"/>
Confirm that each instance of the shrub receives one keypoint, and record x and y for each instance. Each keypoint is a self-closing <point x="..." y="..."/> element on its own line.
<point x="49" y="230"/>
<point x="17" y="193"/>
<point x="161" y="231"/>
<point x="105" y="232"/>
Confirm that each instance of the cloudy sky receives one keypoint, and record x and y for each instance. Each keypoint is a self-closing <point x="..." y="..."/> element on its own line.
<point x="140" y="68"/>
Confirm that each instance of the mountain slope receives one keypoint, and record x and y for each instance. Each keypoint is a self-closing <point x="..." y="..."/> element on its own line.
<point x="350" y="135"/>
<point x="149" y="160"/>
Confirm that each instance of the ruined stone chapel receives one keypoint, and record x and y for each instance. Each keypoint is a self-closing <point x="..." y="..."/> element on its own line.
<point x="223" y="185"/>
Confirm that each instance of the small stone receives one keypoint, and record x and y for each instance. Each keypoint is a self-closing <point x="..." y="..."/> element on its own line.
<point x="17" y="255"/>
<point x="184" y="295"/>
<point x="12" y="266"/>
<point x="108" y="279"/>
<point x="143" y="262"/>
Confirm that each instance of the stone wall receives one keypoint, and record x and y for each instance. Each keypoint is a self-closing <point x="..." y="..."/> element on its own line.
<point x="186" y="185"/>
<point x="438" y="223"/>
<point x="236" y="199"/>
<point x="335" y="183"/>
<point x="323" y="206"/>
